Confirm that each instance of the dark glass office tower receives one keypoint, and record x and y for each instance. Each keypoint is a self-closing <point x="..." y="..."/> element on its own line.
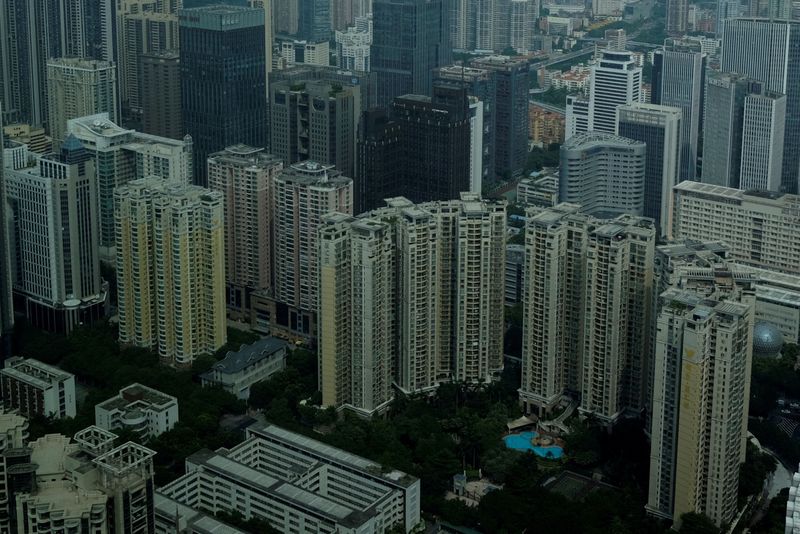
<point x="410" y="38"/>
<point x="378" y="167"/>
<point x="434" y="143"/>
<point x="223" y="80"/>
<point x="314" y="20"/>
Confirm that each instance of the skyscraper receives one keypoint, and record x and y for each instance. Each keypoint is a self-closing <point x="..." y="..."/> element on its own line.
<point x="223" y="79"/>
<point x="703" y="356"/>
<point x="161" y="94"/>
<point x="659" y="128"/>
<point x="679" y="81"/>
<point x="616" y="80"/>
<point x="55" y="235"/>
<point x="302" y="194"/>
<point x="603" y="173"/>
<point x="763" y="130"/>
<point x="434" y="141"/>
<point x="144" y="27"/>
<point x="170" y="269"/>
<point x="511" y="127"/>
<point x="317" y="120"/>
<point x="77" y="88"/>
<point x="722" y="132"/>
<point x="411" y="294"/>
<point x="121" y="155"/>
<point x="769" y="52"/>
<point x="677" y="16"/>
<point x="244" y="176"/>
<point x="586" y="302"/>
<point x="6" y="300"/>
<point x="410" y="38"/>
<point x="378" y="161"/>
<point x="314" y="22"/>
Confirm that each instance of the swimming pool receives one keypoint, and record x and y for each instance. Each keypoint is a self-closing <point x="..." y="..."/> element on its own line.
<point x="522" y="442"/>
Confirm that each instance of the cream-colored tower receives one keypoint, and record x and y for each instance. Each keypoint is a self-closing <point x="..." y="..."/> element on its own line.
<point x="180" y="239"/>
<point x="244" y="176"/>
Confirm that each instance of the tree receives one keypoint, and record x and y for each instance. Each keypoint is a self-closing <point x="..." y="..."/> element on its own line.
<point x="694" y="523"/>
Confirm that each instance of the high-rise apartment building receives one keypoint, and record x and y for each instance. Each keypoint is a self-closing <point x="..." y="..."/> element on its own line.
<point x="160" y="97"/>
<point x="521" y="24"/>
<point x="701" y="386"/>
<point x="586" y="311"/>
<point x="121" y="155"/>
<point x="144" y="27"/>
<point x="77" y="88"/>
<point x="411" y="294"/>
<point x="763" y="130"/>
<point x="677" y="16"/>
<point x="244" y="176"/>
<point x="317" y="120"/>
<point x="760" y="227"/>
<point x="301" y="195"/>
<point x="511" y="128"/>
<point x="170" y="269"/>
<point x="723" y="124"/>
<point x="223" y="79"/>
<point x="55" y="236"/>
<point x="604" y="173"/>
<point x="410" y="38"/>
<point x="659" y="128"/>
<point x="616" y="80"/>
<point x="679" y="81"/>
<point x="767" y="51"/>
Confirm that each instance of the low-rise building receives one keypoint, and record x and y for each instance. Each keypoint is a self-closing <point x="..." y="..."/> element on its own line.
<point x="546" y="127"/>
<point x="539" y="190"/>
<point x="138" y="408"/>
<point x="35" y="388"/>
<point x="239" y="370"/>
<point x="298" y="484"/>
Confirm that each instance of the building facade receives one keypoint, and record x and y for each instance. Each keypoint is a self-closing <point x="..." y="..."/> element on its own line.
<point x="144" y="411"/>
<point x="161" y="94"/>
<point x="76" y="88"/>
<point x="659" y="128"/>
<point x="722" y="135"/>
<point x="604" y="173"/>
<point x="37" y="389"/>
<point x="223" y="79"/>
<point x="170" y="263"/>
<point x="251" y="364"/>
<point x="763" y="132"/>
<point x="244" y="176"/>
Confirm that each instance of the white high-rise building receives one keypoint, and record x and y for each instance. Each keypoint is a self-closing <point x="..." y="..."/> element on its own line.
<point x="586" y="310"/>
<point x="616" y="80"/>
<point x="55" y="239"/>
<point x="170" y="269"/>
<point x="762" y="141"/>
<point x="437" y="270"/>
<point x="606" y="7"/>
<point x="352" y="46"/>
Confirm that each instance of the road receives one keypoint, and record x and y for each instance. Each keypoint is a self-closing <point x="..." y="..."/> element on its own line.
<point x="549" y="107"/>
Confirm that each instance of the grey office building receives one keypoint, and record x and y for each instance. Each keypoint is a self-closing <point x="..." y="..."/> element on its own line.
<point x="410" y="38"/>
<point x="511" y="111"/>
<point x="722" y="132"/>
<point x="603" y="173"/>
<point x="659" y="127"/>
<point x="223" y="79"/>
<point x="678" y="80"/>
<point x="769" y="51"/>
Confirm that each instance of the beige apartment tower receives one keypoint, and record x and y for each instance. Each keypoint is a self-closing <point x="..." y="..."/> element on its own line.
<point x="170" y="269"/>
<point x="77" y="88"/>
<point x="301" y="195"/>
<point x="701" y="389"/>
<point x="244" y="176"/>
<point x="439" y="316"/>
<point x="586" y="309"/>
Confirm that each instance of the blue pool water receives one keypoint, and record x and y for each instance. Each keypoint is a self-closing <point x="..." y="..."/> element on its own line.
<point x="522" y="442"/>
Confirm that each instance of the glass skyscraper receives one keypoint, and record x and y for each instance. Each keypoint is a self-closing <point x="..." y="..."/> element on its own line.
<point x="223" y="80"/>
